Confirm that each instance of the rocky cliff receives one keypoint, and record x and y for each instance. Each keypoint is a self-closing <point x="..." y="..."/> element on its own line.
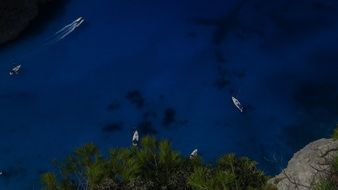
<point x="306" y="166"/>
<point x="16" y="15"/>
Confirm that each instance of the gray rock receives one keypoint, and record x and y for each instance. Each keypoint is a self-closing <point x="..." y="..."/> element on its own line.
<point x="306" y="166"/>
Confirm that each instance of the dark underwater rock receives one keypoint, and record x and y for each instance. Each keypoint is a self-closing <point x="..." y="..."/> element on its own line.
<point x="136" y="98"/>
<point x="146" y="127"/>
<point x="169" y="117"/>
<point x="112" y="127"/>
<point x="17" y="15"/>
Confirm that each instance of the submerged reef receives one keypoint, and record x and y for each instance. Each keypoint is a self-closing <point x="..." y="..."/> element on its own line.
<point x="112" y="127"/>
<point x="169" y="117"/>
<point x="136" y="98"/>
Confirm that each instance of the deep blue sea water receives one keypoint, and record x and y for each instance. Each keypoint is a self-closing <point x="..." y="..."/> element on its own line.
<point x="185" y="58"/>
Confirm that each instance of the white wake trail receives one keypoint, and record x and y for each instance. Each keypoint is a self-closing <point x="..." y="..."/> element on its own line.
<point x="65" y="31"/>
<point x="54" y="38"/>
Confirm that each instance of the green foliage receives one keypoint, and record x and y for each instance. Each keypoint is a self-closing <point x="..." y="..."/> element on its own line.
<point x="49" y="181"/>
<point x="245" y="169"/>
<point x="269" y="187"/>
<point x="334" y="164"/>
<point x="152" y="165"/>
<point x="329" y="180"/>
<point x="204" y="178"/>
<point x="123" y="164"/>
<point x="324" y="185"/>
<point x="229" y="173"/>
<point x="87" y="154"/>
<point x="199" y="178"/>
<point x="335" y="134"/>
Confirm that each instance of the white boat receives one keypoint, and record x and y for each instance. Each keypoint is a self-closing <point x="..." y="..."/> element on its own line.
<point x="237" y="104"/>
<point x="78" y="21"/>
<point x="69" y="28"/>
<point x="135" y="138"/>
<point x="15" y="70"/>
<point x="194" y="153"/>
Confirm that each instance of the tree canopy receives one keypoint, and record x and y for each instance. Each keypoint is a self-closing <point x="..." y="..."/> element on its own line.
<point x="151" y="165"/>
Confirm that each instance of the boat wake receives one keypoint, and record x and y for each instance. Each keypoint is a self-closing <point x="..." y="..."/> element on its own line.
<point x="56" y="37"/>
<point x="65" y="31"/>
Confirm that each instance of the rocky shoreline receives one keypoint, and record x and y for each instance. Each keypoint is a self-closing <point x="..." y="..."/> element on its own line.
<point x="306" y="166"/>
<point x="17" y="15"/>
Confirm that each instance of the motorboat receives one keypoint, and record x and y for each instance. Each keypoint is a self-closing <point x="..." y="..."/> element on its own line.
<point x="15" y="70"/>
<point x="78" y="21"/>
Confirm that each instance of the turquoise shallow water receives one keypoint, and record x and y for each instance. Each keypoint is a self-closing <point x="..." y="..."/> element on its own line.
<point x="140" y="65"/>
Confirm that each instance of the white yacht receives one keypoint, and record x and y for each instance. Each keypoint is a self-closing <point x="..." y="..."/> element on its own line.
<point x="237" y="104"/>
<point x="193" y="153"/>
<point x="135" y="138"/>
